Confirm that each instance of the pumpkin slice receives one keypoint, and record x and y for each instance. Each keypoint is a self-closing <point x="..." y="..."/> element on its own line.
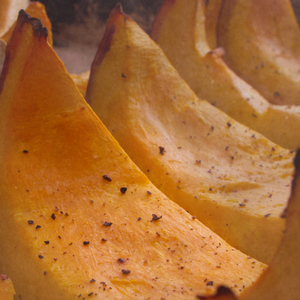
<point x="180" y="30"/>
<point x="37" y="10"/>
<point x="212" y="11"/>
<point x="9" y="12"/>
<point x="78" y="219"/>
<point x="232" y="178"/>
<point x="7" y="290"/>
<point x="261" y="39"/>
<point x="81" y="81"/>
<point x="34" y="9"/>
<point x="281" y="279"/>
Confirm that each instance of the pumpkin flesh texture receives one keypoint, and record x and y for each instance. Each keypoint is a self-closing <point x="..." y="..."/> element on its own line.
<point x="281" y="279"/>
<point x="179" y="28"/>
<point x="233" y="179"/>
<point x="7" y="290"/>
<point x="261" y="39"/>
<point x="64" y="227"/>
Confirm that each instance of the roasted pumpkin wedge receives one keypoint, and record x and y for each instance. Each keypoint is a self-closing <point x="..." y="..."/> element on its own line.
<point x="261" y="39"/>
<point x="81" y="81"/>
<point x="232" y="178"/>
<point x="7" y="290"/>
<point x="281" y="279"/>
<point x="9" y="12"/>
<point x="37" y="10"/>
<point x="78" y="219"/>
<point x="179" y="29"/>
<point x="212" y="11"/>
<point x="34" y="9"/>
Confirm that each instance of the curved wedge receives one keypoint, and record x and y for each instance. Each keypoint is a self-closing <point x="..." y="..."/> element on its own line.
<point x="179" y="29"/>
<point x="233" y="179"/>
<point x="261" y="39"/>
<point x="78" y="219"/>
<point x="213" y="8"/>
<point x="281" y="279"/>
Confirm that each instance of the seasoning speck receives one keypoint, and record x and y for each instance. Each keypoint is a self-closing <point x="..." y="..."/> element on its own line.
<point x="53" y="216"/>
<point x="46" y="242"/>
<point x="228" y="124"/>
<point x="92" y="280"/>
<point x="38" y="226"/>
<point x="123" y="190"/>
<point x="40" y="256"/>
<point x="161" y="150"/>
<point x="121" y="260"/>
<point x="139" y="219"/>
<point x="149" y="193"/>
<point x="25" y="151"/>
<point x="126" y="272"/>
<point x="86" y="243"/>
<point x="267" y="215"/>
<point x="30" y="222"/>
<point x="209" y="283"/>
<point x="107" y="223"/>
<point x="106" y="177"/>
<point x="155" y="217"/>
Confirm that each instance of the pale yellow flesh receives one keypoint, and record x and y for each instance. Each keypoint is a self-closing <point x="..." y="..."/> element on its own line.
<point x="180" y="30"/>
<point x="261" y="39"/>
<point x="54" y="152"/>
<point x="233" y="179"/>
<point x="281" y="279"/>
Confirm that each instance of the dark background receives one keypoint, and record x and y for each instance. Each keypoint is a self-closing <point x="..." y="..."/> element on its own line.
<point x="78" y="25"/>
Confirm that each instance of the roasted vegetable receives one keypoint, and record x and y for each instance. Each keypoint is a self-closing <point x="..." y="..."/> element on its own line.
<point x="180" y="30"/>
<point x="36" y="10"/>
<point x="261" y="39"/>
<point x="281" y="279"/>
<point x="78" y="219"/>
<point x="232" y="178"/>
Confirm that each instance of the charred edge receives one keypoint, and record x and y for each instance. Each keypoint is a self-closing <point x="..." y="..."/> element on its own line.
<point x="104" y="47"/>
<point x="294" y="183"/>
<point x="38" y="31"/>
<point x="37" y="27"/>
<point x="222" y="291"/>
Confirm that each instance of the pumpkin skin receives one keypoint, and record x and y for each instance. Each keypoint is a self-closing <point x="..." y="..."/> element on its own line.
<point x="281" y="279"/>
<point x="214" y="167"/>
<point x="66" y="229"/>
<point x="211" y="79"/>
<point x="7" y="290"/>
<point x="262" y="44"/>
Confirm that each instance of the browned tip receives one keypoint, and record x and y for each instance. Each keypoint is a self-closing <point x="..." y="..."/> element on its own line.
<point x="220" y="294"/>
<point x="117" y="12"/>
<point x="104" y="47"/>
<point x="37" y="26"/>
